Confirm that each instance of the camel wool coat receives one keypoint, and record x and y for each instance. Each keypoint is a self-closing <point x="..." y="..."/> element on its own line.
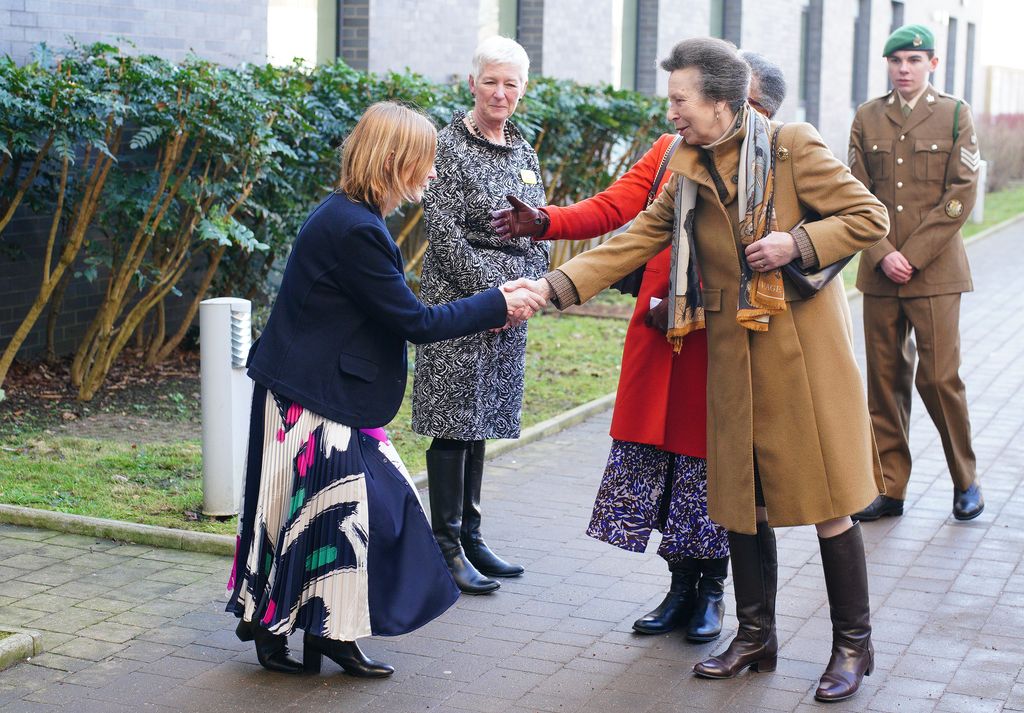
<point x="791" y="397"/>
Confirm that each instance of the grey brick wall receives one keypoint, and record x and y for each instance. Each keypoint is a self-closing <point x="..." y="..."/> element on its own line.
<point x="226" y="31"/>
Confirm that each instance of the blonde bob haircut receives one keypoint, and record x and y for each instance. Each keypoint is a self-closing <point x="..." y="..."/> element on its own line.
<point x="388" y="155"/>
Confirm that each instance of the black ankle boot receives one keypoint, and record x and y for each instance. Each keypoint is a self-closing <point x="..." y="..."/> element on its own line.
<point x="344" y="653"/>
<point x="677" y="606"/>
<point x="709" y="607"/>
<point x="445" y="478"/>
<point x="473" y="543"/>
<point x="755" y="580"/>
<point x="272" y="650"/>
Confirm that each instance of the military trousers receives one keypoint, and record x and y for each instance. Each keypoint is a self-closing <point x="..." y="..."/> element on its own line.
<point x="935" y="322"/>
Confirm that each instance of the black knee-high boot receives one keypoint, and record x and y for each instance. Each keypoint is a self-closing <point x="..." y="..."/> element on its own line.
<point x="846" y="580"/>
<point x="472" y="541"/>
<point x="755" y="579"/>
<point x="445" y="479"/>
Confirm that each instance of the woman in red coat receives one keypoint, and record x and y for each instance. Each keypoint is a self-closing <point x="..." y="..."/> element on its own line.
<point x="656" y="475"/>
<point x="656" y="472"/>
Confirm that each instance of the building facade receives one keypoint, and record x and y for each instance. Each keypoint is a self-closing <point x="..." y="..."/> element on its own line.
<point x="830" y="51"/>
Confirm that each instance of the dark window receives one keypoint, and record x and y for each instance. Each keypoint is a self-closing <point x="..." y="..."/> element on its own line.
<point x="810" y="60"/>
<point x="354" y="33"/>
<point x="951" y="57"/>
<point x="861" y="52"/>
<point x="530" y="32"/>
<point x="897" y="15"/>
<point x="647" y="46"/>
<point x="969" y="64"/>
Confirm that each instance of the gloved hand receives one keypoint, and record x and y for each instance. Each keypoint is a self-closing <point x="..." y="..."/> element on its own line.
<point x="519" y="220"/>
<point x="657" y="316"/>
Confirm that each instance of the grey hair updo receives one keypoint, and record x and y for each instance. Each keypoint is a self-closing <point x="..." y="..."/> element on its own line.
<point x="724" y="75"/>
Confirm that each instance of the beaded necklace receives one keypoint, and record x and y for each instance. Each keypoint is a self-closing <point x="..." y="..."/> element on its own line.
<point x="480" y="134"/>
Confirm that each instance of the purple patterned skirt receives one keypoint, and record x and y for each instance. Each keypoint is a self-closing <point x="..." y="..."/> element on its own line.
<point x="632" y="501"/>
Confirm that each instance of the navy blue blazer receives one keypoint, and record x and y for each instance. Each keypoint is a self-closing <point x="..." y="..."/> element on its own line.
<point x="335" y="342"/>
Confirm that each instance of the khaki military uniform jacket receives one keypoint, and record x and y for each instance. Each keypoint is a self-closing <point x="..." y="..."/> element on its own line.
<point x="927" y="181"/>
<point x="792" y="395"/>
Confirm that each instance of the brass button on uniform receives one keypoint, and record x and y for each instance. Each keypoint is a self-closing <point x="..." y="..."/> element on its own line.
<point x="902" y="136"/>
<point x="899" y="160"/>
<point x="935" y="147"/>
<point x="874" y="147"/>
<point x="899" y="209"/>
<point x="899" y="184"/>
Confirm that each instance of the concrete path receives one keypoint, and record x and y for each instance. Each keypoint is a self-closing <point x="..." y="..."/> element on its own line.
<point x="130" y="628"/>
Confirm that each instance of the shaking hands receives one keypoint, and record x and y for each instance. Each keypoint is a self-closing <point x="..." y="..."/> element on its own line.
<point x="524" y="298"/>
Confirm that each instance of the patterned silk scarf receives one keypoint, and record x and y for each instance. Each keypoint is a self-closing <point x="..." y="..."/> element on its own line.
<point x="761" y="294"/>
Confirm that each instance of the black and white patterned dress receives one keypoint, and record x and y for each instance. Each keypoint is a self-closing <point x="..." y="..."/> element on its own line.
<point x="471" y="388"/>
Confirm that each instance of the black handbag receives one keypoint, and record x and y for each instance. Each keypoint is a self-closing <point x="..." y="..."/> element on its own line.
<point x="807" y="282"/>
<point x="630" y="284"/>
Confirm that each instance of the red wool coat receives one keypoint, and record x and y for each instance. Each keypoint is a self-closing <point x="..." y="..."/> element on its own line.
<point x="662" y="397"/>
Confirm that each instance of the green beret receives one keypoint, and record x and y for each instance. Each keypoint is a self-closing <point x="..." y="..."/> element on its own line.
<point x="909" y="37"/>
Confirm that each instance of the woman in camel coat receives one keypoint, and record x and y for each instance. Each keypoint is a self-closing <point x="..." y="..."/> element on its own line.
<point x="789" y="437"/>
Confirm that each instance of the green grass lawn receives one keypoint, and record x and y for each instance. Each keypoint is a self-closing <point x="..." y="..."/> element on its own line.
<point x="999" y="206"/>
<point x="570" y="360"/>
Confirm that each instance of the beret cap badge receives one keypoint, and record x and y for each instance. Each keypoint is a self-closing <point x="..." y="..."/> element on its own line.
<point x="918" y="40"/>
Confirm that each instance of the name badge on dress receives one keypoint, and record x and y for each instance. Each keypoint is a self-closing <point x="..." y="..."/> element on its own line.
<point x="528" y="176"/>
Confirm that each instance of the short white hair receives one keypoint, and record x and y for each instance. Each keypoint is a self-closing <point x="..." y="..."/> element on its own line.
<point x="500" y="50"/>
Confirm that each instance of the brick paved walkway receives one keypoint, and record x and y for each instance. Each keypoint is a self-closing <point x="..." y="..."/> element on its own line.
<point x="131" y="628"/>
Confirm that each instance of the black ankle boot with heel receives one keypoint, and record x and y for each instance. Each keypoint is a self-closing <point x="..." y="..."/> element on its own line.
<point x="271" y="649"/>
<point x="677" y="606"/>
<point x="346" y="654"/>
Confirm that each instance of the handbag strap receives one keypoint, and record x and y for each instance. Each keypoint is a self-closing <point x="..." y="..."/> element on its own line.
<point x="653" y="193"/>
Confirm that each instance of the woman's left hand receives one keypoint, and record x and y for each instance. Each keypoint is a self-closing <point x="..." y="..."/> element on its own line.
<point x="771" y="252"/>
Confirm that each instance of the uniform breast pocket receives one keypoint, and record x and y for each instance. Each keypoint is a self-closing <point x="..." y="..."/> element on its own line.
<point x="878" y="156"/>
<point x="930" y="158"/>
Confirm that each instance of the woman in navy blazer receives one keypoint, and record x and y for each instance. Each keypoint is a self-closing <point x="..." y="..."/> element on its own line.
<point x="332" y="538"/>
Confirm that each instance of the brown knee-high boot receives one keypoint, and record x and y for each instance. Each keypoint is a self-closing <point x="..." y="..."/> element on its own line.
<point x="755" y="579"/>
<point x="846" y="580"/>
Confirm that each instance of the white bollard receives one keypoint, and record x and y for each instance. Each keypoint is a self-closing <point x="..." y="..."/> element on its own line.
<point x="978" y="214"/>
<point x="225" y="335"/>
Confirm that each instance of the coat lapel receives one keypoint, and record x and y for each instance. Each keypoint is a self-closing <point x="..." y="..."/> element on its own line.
<point x="893" y="109"/>
<point x="922" y="110"/>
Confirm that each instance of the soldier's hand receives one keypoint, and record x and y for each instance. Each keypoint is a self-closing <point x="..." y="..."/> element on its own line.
<point x="897" y="268"/>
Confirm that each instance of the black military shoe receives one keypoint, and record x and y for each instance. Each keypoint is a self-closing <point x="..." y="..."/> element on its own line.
<point x="968" y="504"/>
<point x="882" y="506"/>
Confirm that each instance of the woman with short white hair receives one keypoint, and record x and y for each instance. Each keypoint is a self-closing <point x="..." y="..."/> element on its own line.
<point x="471" y="388"/>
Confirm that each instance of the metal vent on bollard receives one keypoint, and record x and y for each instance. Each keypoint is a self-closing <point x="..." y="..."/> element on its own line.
<point x="241" y="337"/>
<point x="225" y="337"/>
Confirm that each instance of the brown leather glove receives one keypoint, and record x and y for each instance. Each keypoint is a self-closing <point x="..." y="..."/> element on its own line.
<point x="657" y="317"/>
<point x="519" y="220"/>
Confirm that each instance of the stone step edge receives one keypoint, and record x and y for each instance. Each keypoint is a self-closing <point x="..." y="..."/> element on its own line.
<point x="22" y="644"/>
<point x="209" y="543"/>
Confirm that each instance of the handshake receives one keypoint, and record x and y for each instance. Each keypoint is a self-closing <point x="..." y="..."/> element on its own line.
<point x="523" y="299"/>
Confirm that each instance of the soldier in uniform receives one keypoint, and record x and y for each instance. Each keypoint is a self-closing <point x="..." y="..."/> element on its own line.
<point x="916" y="150"/>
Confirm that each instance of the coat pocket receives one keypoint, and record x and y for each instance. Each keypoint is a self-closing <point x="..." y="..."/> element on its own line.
<point x="930" y="158"/>
<point x="357" y="366"/>
<point x="712" y="299"/>
<point x="878" y="154"/>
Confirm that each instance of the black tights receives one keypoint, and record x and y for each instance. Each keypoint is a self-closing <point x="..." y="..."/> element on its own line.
<point x="451" y="444"/>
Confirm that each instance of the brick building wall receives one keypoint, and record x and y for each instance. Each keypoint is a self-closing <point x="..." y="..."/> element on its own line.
<point x="225" y="31"/>
<point x="579" y="37"/>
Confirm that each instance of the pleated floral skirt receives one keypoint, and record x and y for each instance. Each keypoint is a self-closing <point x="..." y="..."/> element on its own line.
<point x="332" y="537"/>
